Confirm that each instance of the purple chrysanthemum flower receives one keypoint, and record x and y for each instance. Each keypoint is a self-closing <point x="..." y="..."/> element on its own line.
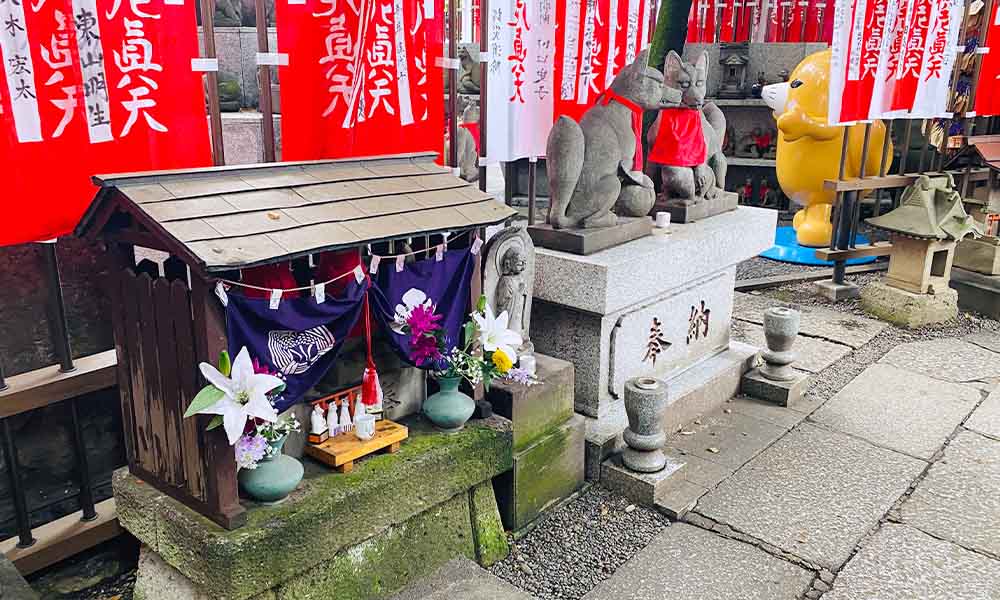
<point x="249" y="450"/>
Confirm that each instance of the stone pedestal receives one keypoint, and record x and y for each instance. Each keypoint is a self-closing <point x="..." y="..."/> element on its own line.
<point x="548" y="442"/>
<point x="782" y="393"/>
<point x="979" y="255"/>
<point x="908" y="309"/>
<point x="659" y="307"/>
<point x="589" y="241"/>
<point x="835" y="292"/>
<point x="641" y="488"/>
<point x="684" y="213"/>
<point x="361" y="535"/>
<point x="977" y="292"/>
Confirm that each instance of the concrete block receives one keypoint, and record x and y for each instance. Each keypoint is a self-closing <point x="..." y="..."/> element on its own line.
<point x="641" y="488"/>
<point x="835" y="292"/>
<point x="977" y="292"/>
<point x="544" y="473"/>
<point x="535" y="410"/>
<point x="678" y="498"/>
<point x="782" y="393"/>
<point x="978" y="255"/>
<point x="908" y="309"/>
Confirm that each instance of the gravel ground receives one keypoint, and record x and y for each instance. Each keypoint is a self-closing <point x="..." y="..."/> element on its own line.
<point x="764" y="267"/>
<point x="579" y="545"/>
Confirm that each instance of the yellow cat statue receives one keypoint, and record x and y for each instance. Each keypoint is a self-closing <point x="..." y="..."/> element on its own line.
<point x="809" y="147"/>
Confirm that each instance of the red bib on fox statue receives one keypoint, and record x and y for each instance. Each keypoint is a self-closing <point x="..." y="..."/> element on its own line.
<point x="680" y="141"/>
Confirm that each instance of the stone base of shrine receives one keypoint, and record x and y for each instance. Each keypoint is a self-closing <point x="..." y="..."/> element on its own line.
<point x="689" y="213"/>
<point x="908" y="309"/>
<point x="363" y="535"/>
<point x="977" y="292"/>
<point x="589" y="241"/>
<point x="979" y="255"/>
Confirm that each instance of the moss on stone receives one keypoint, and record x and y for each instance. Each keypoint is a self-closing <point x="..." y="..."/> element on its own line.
<point x="328" y="513"/>
<point x="490" y="539"/>
<point x="546" y="473"/>
<point x="388" y="561"/>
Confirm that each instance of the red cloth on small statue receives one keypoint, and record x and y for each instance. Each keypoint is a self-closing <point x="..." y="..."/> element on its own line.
<point x="474" y="130"/>
<point x="273" y="277"/>
<point x="610" y="95"/>
<point x="680" y="141"/>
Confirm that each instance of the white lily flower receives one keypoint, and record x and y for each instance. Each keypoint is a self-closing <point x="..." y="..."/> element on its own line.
<point x="494" y="334"/>
<point x="245" y="395"/>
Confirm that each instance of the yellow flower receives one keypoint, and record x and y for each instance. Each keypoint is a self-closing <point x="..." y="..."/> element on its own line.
<point x="501" y="361"/>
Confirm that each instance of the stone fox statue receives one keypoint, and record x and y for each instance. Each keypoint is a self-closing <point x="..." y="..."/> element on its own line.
<point x="687" y="140"/>
<point x="592" y="164"/>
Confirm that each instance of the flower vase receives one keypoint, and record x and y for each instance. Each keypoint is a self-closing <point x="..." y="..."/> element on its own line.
<point x="449" y="409"/>
<point x="276" y="475"/>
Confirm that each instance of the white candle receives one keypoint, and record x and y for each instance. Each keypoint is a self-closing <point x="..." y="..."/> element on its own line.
<point x="662" y="220"/>
<point x="528" y="363"/>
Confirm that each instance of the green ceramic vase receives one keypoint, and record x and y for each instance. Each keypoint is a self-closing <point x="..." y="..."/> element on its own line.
<point x="449" y="409"/>
<point x="276" y="476"/>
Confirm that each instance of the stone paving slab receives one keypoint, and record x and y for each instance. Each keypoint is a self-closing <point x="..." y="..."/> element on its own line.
<point x="901" y="563"/>
<point x="986" y="418"/>
<point x="959" y="500"/>
<point x="899" y="409"/>
<point x="729" y="439"/>
<point x="782" y="416"/>
<point x="814" y="493"/>
<point x="462" y="578"/>
<point x="814" y="354"/>
<point x="688" y="563"/>
<point x="985" y="339"/>
<point x="697" y="470"/>
<point x="817" y="321"/>
<point x="949" y="359"/>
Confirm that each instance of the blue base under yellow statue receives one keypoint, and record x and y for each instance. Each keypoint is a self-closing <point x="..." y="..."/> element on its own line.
<point x="809" y="147"/>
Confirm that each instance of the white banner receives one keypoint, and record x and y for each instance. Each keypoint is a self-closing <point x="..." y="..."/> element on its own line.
<point x="939" y="60"/>
<point x="521" y="71"/>
<point x="16" y="55"/>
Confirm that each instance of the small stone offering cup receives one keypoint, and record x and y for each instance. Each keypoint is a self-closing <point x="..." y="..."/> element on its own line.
<point x="364" y="427"/>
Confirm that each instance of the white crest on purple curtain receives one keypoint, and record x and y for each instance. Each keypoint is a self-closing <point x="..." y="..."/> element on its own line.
<point x="294" y="352"/>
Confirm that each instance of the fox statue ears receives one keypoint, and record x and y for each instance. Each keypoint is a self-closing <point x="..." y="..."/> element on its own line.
<point x="674" y="63"/>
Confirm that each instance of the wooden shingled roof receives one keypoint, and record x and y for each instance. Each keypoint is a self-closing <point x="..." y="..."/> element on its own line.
<point x="224" y="218"/>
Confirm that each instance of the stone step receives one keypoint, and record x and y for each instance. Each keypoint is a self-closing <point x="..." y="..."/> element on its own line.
<point x="693" y="393"/>
<point x="641" y="488"/>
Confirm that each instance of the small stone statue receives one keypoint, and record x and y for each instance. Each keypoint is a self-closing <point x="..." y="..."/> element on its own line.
<point x="509" y="278"/>
<point x="592" y="165"/>
<point x="781" y="327"/>
<point x="645" y="401"/>
<point x="331" y="420"/>
<point x="470" y="75"/>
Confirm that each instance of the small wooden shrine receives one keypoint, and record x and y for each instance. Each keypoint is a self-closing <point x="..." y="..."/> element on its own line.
<point x="983" y="203"/>
<point x="213" y="222"/>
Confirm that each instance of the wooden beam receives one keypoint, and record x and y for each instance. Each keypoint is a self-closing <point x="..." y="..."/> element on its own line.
<point x="48" y="385"/>
<point x="893" y="181"/>
<point x="64" y="538"/>
<point x="859" y="251"/>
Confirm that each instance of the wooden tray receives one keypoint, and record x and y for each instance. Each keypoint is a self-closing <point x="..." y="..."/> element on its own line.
<point x="342" y="450"/>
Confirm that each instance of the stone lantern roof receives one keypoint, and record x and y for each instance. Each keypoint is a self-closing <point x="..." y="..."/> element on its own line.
<point x="930" y="209"/>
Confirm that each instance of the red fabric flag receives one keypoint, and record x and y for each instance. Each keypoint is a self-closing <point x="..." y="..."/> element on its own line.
<point x="797" y="21"/>
<point x="707" y="21"/>
<point x="363" y="77"/>
<point x="693" y="30"/>
<point x="775" y="21"/>
<point x="987" y="98"/>
<point x="911" y="61"/>
<point x="863" y="49"/>
<point x="727" y="28"/>
<point x="87" y="90"/>
<point x="745" y="12"/>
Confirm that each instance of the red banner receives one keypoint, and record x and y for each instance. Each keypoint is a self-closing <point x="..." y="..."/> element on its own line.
<point x="911" y="61"/>
<point x="363" y="77"/>
<point x="592" y="47"/>
<point x="87" y="90"/>
<point x="987" y="98"/>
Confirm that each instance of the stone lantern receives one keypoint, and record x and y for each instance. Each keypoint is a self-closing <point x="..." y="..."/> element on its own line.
<point x="734" y="58"/>
<point x="925" y="228"/>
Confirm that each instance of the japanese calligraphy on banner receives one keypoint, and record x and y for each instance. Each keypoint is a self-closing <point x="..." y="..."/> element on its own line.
<point x="363" y="77"/>
<point x="595" y="40"/>
<point x="987" y="99"/>
<point x="521" y="92"/>
<point x="892" y="58"/>
<point x="88" y="89"/>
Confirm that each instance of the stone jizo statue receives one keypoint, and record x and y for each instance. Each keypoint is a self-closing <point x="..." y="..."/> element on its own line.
<point x="509" y="277"/>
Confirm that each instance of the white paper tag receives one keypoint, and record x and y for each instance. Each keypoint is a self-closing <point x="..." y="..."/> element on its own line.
<point x="205" y="65"/>
<point x="483" y="161"/>
<point x="359" y="274"/>
<point x="174" y="2"/>
<point x="983" y="50"/>
<point x="296" y="2"/>
<point x="477" y="245"/>
<point x="532" y="159"/>
<point x="373" y="268"/>
<point x="319" y="292"/>
<point x="447" y="63"/>
<point x="428" y="9"/>
<point x="439" y="253"/>
<point x="484" y="55"/>
<point x="273" y="59"/>
<point x="220" y="291"/>
<point x="456" y="171"/>
<point x="970" y="115"/>
<point x="275" y="300"/>
<point x="400" y="262"/>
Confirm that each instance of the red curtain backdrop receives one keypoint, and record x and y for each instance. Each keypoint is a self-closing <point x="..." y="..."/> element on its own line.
<point x="97" y="88"/>
<point x="987" y="96"/>
<point x="363" y="77"/>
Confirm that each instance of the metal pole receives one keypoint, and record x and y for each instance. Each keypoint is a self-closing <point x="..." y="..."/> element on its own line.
<point x="856" y="215"/>
<point x="484" y="20"/>
<point x="452" y="86"/>
<point x="86" y="490"/>
<point x="57" y="310"/>
<point x="842" y="208"/>
<point x="24" y="536"/>
<point x="883" y="163"/>
<point x="532" y="173"/>
<point x="212" y="79"/>
<point x="264" y="80"/>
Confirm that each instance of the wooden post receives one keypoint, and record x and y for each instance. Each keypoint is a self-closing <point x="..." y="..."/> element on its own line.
<point x="264" y="80"/>
<point x="532" y="174"/>
<point x="969" y="126"/>
<point x="484" y="67"/>
<point x="452" y="86"/>
<point x="221" y="487"/>
<point x="212" y="80"/>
